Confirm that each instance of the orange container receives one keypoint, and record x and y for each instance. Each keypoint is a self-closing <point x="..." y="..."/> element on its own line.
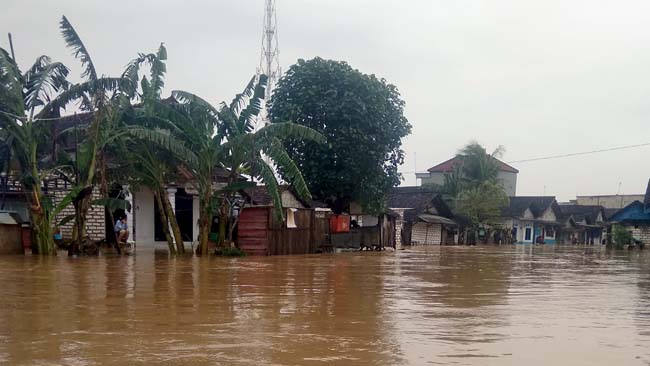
<point x="340" y="224"/>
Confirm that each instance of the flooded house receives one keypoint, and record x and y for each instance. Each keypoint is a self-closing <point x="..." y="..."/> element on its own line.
<point x="423" y="217"/>
<point x="583" y="224"/>
<point x="532" y="219"/>
<point x="635" y="217"/>
<point x="303" y="230"/>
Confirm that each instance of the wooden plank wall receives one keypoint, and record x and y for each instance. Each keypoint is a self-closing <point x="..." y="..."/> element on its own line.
<point x="11" y="239"/>
<point x="253" y="231"/>
<point x="283" y="240"/>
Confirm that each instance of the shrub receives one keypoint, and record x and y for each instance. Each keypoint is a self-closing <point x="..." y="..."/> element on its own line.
<point x="621" y="236"/>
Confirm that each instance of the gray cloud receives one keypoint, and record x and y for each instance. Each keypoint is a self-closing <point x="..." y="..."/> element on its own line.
<point x="539" y="77"/>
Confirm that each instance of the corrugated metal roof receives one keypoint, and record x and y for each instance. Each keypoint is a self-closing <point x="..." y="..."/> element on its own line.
<point x="10" y="218"/>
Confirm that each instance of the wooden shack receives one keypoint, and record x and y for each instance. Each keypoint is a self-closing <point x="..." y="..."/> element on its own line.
<point x="260" y="231"/>
<point x="11" y="238"/>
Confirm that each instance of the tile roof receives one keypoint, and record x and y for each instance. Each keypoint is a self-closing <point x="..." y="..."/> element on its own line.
<point x="419" y="200"/>
<point x="589" y="213"/>
<point x="519" y="204"/>
<point x="448" y="166"/>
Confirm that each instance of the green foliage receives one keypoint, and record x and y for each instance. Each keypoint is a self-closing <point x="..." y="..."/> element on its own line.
<point x="622" y="237"/>
<point x="231" y="252"/>
<point x="481" y="204"/>
<point x="472" y="186"/>
<point x="361" y="117"/>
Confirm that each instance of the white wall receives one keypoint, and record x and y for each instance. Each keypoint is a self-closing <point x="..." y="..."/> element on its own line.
<point x="143" y="207"/>
<point x="434" y="178"/>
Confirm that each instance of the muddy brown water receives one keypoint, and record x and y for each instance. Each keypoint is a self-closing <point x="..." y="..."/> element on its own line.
<point x="515" y="305"/>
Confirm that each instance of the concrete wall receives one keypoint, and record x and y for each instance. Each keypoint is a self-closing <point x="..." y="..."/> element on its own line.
<point x="426" y="234"/>
<point x="434" y="178"/>
<point x="290" y="201"/>
<point x="509" y="182"/>
<point x="143" y="210"/>
<point x="144" y="220"/>
<point x="610" y="201"/>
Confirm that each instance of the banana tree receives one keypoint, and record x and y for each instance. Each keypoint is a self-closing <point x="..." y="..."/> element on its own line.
<point x="107" y="98"/>
<point x="205" y="138"/>
<point x="154" y="168"/>
<point x="20" y="95"/>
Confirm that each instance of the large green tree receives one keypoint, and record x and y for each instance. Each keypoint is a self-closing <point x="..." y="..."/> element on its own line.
<point x="361" y="116"/>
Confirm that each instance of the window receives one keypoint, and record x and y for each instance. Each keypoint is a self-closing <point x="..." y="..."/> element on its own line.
<point x="528" y="234"/>
<point x="550" y="232"/>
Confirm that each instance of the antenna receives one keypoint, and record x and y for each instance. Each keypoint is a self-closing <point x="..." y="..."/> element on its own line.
<point x="11" y="46"/>
<point x="270" y="55"/>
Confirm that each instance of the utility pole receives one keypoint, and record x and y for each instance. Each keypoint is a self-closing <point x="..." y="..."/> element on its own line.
<point x="270" y="55"/>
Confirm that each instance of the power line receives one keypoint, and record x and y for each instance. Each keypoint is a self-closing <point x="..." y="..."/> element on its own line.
<point x="579" y="153"/>
<point x="569" y="155"/>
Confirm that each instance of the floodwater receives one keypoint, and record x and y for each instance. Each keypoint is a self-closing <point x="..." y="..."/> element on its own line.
<point x="513" y="305"/>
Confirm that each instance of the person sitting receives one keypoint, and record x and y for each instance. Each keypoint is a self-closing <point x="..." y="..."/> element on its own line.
<point x="122" y="230"/>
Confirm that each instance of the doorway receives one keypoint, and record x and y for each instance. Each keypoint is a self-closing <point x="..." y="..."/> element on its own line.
<point x="185" y="214"/>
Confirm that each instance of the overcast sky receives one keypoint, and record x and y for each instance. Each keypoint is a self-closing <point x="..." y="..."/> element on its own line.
<point x="540" y="77"/>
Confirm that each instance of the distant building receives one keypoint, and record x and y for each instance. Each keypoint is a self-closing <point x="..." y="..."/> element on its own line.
<point x="532" y="219"/>
<point x="611" y="201"/>
<point x="424" y="217"/>
<point x="583" y="224"/>
<point x="635" y="217"/>
<point x="436" y="175"/>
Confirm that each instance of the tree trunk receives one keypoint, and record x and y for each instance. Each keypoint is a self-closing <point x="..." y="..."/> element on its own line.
<point x="164" y="221"/>
<point x="205" y="219"/>
<point x="42" y="240"/>
<point x="103" y="189"/>
<point x="171" y="216"/>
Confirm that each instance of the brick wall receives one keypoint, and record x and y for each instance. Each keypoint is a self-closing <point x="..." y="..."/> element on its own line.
<point x="641" y="232"/>
<point x="399" y="224"/>
<point x="95" y="225"/>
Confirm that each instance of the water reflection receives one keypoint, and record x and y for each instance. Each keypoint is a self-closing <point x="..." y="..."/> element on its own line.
<point x="529" y="305"/>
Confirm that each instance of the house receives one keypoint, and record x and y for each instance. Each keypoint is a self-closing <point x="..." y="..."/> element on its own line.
<point x="260" y="231"/>
<point x="423" y="217"/>
<point x="532" y="219"/>
<point x="507" y="175"/>
<point x="583" y="224"/>
<point x="635" y="217"/>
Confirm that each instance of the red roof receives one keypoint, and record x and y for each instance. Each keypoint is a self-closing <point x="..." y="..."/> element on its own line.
<point x="448" y="166"/>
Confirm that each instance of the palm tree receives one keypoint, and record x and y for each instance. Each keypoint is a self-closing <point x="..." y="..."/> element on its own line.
<point x="20" y="95"/>
<point x="206" y="138"/>
<point x="107" y="98"/>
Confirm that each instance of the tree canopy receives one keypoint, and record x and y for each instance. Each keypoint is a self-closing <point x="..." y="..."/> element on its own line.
<point x="362" y="118"/>
<point x="473" y="187"/>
